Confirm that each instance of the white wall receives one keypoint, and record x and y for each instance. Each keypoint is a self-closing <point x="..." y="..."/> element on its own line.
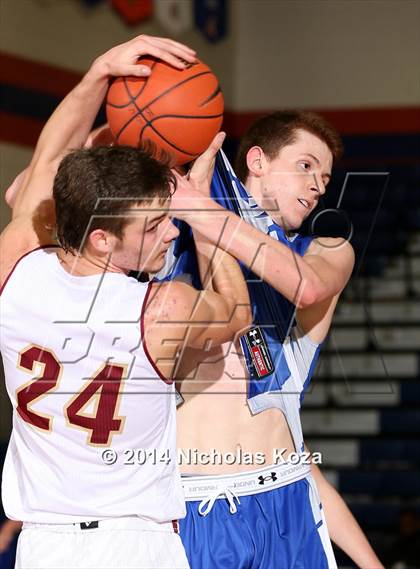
<point x="327" y="53"/>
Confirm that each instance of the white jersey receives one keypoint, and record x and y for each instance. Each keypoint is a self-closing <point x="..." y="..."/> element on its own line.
<point x="93" y="422"/>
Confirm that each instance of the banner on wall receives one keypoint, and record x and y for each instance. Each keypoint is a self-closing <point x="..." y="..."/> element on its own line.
<point x="133" y="11"/>
<point x="175" y="16"/>
<point x="211" y="18"/>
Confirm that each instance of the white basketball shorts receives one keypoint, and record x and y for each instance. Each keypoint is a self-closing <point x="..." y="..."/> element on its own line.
<point x="123" y="543"/>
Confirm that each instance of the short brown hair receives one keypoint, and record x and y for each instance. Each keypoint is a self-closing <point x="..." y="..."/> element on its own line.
<point x="95" y="187"/>
<point x="274" y="131"/>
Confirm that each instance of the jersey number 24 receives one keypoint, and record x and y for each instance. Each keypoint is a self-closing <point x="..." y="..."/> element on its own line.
<point x="103" y="389"/>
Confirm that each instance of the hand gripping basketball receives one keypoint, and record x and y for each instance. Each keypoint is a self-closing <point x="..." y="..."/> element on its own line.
<point x="122" y="59"/>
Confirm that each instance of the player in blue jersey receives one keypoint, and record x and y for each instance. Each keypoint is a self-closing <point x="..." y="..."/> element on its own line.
<point x="254" y="496"/>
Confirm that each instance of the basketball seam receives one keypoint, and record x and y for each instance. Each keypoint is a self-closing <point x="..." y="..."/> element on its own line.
<point x="174" y="87"/>
<point x="149" y="123"/>
<point x="133" y="99"/>
<point x="142" y="87"/>
<point x="163" y="138"/>
<point x="212" y="96"/>
<point x="129" y="93"/>
<point x="185" y="117"/>
<point x="126" y="125"/>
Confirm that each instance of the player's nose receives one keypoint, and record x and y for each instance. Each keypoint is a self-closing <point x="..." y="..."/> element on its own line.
<point x="317" y="185"/>
<point x="171" y="232"/>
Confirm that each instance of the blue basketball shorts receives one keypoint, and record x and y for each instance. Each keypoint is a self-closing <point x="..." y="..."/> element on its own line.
<point x="265" y="519"/>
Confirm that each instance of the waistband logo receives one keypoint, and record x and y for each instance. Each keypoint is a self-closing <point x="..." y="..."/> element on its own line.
<point x="89" y="525"/>
<point x="263" y="479"/>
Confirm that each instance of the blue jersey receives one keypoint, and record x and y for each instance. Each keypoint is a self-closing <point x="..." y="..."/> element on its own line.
<point x="281" y="528"/>
<point x="280" y="357"/>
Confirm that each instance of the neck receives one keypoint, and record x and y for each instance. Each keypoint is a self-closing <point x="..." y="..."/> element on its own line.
<point x="85" y="264"/>
<point x="253" y="189"/>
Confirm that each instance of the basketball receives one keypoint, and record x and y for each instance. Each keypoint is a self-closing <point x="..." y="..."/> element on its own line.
<point x="179" y="111"/>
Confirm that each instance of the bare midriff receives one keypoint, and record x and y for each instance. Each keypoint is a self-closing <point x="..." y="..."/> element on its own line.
<point x="215" y="416"/>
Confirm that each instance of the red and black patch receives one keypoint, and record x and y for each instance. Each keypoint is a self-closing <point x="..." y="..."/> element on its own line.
<point x="259" y="352"/>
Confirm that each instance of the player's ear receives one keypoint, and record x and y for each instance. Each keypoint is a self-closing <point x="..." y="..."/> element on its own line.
<point x="256" y="161"/>
<point x="102" y="241"/>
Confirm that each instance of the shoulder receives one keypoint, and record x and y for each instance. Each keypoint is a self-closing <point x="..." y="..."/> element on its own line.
<point x="171" y="300"/>
<point x="19" y="238"/>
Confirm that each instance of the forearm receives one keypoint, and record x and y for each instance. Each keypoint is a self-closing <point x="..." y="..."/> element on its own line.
<point x="343" y="528"/>
<point x="216" y="268"/>
<point x="71" y="122"/>
<point x="8" y="530"/>
<point x="98" y="137"/>
<point x="67" y="129"/>
<point x="272" y="261"/>
<point x="227" y="278"/>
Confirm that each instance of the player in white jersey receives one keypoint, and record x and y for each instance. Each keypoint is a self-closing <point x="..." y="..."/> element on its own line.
<point x="91" y="467"/>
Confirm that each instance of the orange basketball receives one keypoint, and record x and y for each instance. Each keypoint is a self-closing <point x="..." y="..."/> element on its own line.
<point x="179" y="111"/>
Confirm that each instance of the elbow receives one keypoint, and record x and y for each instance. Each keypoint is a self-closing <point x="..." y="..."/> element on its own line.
<point x="10" y="197"/>
<point x="13" y="190"/>
<point x="309" y="295"/>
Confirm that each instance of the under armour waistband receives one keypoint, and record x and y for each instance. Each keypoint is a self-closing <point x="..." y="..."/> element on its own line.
<point x="244" y="483"/>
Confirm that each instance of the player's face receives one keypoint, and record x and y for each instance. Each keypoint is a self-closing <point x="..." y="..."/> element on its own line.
<point x="146" y="238"/>
<point x="294" y="181"/>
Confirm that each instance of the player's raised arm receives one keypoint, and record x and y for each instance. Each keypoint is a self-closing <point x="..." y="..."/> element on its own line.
<point x="71" y="122"/>
<point x="200" y="177"/>
<point x="67" y="129"/>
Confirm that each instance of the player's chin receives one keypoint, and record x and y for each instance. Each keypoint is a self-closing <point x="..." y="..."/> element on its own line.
<point x="289" y="223"/>
<point x="159" y="263"/>
<point x="296" y="221"/>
